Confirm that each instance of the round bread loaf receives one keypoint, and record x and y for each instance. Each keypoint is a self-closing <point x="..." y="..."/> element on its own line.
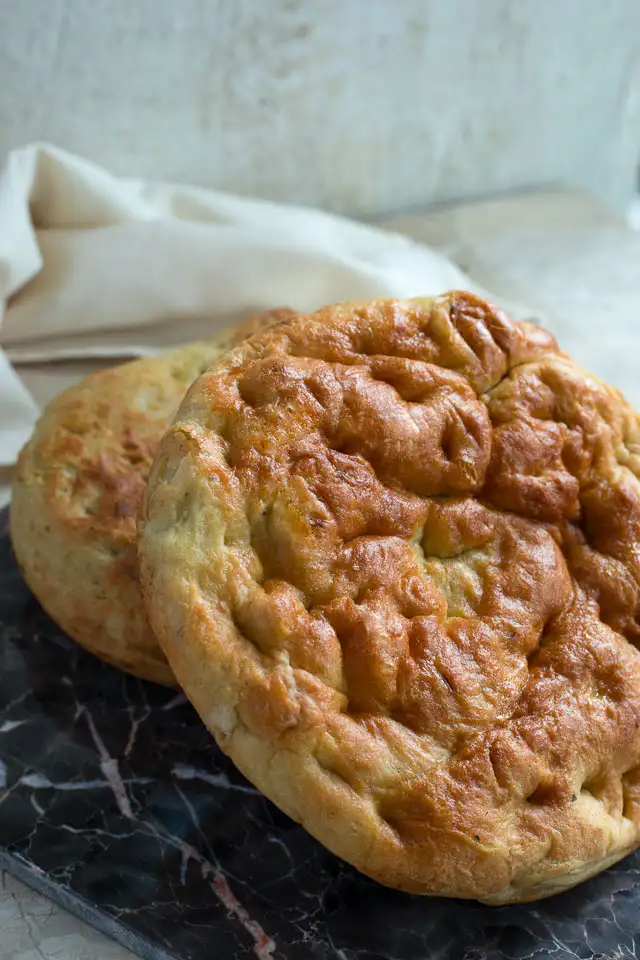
<point x="77" y="492"/>
<point x="393" y="558"/>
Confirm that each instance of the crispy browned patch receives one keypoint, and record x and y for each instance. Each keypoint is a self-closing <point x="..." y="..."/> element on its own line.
<point x="394" y="559"/>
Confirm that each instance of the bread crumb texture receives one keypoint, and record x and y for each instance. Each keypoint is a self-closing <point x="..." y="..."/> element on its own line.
<point x="77" y="494"/>
<point x="392" y="553"/>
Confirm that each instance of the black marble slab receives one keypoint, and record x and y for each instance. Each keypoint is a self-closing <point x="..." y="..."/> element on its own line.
<point x="115" y="802"/>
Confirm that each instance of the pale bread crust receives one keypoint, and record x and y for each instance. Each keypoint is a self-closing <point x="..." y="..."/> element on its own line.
<point x="392" y="553"/>
<point x="77" y="493"/>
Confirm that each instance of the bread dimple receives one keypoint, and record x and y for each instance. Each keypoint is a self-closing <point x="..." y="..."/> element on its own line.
<point x="391" y="551"/>
<point x="77" y="492"/>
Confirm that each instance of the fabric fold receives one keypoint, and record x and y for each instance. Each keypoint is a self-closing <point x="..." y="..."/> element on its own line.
<point x="96" y="265"/>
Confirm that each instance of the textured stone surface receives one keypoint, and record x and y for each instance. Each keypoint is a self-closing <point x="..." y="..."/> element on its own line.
<point x="34" y="928"/>
<point x="357" y="107"/>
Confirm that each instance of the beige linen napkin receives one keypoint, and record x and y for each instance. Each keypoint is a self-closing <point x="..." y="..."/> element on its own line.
<point x="95" y="265"/>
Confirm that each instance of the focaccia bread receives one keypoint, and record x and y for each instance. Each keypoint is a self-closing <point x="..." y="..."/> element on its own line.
<point x="77" y="492"/>
<point x="392" y="553"/>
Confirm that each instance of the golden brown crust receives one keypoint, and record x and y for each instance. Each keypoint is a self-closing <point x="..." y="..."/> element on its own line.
<point x="77" y="492"/>
<point x="373" y="549"/>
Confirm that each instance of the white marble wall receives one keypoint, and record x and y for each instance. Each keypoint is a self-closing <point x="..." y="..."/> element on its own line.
<point x="32" y="928"/>
<point x="362" y="106"/>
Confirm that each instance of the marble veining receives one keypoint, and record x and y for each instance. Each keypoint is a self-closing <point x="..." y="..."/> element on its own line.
<point x="115" y="802"/>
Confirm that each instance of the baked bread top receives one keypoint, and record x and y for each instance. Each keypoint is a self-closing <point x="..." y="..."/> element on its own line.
<point x="77" y="492"/>
<point x="392" y="553"/>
